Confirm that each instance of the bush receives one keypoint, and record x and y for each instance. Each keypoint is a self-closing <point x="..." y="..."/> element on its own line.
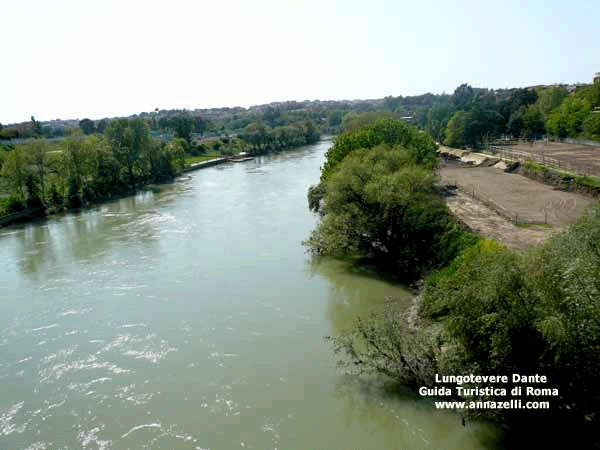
<point x="535" y="312"/>
<point x="419" y="145"/>
<point x="13" y="204"/>
<point x="382" y="207"/>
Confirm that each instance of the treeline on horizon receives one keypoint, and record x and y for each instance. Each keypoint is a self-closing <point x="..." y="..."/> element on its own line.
<point x="484" y="309"/>
<point x="469" y="117"/>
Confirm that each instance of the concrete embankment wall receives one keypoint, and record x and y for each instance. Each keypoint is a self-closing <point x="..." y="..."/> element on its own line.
<point x="467" y="157"/>
<point x="203" y="164"/>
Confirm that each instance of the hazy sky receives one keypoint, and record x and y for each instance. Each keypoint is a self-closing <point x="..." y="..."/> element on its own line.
<point x="77" y="59"/>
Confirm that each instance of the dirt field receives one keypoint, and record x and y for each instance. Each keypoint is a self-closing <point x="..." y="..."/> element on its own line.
<point x="501" y="199"/>
<point x="582" y="159"/>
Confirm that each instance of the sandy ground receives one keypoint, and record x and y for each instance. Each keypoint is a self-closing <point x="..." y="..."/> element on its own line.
<point x="583" y="159"/>
<point x="501" y="198"/>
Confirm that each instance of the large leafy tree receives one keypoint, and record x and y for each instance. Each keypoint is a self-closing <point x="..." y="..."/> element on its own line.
<point x="419" y="145"/>
<point x="87" y="126"/>
<point x="456" y="132"/>
<point x="381" y="205"/>
<point x="129" y="140"/>
<point x="591" y="126"/>
<point x="550" y="99"/>
<point x="567" y="120"/>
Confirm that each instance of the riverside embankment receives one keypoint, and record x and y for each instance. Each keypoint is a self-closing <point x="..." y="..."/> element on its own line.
<point x="30" y="214"/>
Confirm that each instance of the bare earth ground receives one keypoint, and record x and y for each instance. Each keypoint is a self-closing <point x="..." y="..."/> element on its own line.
<point x="500" y="198"/>
<point x="585" y="158"/>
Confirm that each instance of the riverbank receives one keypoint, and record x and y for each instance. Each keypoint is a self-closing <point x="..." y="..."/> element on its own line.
<point x="31" y="214"/>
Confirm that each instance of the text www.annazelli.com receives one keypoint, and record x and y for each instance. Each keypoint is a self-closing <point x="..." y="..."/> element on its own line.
<point x="512" y="404"/>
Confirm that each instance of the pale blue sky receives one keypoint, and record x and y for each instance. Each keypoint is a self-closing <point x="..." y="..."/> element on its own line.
<point x="77" y="59"/>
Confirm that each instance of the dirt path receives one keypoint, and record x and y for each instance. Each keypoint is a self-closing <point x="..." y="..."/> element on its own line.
<point x="500" y="197"/>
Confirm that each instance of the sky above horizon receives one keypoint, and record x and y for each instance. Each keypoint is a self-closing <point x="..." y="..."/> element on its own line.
<point x="95" y="59"/>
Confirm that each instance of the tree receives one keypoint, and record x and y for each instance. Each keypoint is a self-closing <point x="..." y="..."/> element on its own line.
<point x="456" y="130"/>
<point x="462" y="97"/>
<point x="335" y="118"/>
<point x="382" y="207"/>
<point x="492" y="302"/>
<point x="516" y="124"/>
<point x="38" y="155"/>
<point x="101" y="125"/>
<point x="14" y="169"/>
<point x="533" y="123"/>
<point x="128" y="140"/>
<point x="183" y="124"/>
<point x="420" y="145"/>
<point x="201" y="125"/>
<point x="567" y="120"/>
<point x="591" y="126"/>
<point x="550" y="99"/>
<point x="87" y="126"/>
<point x="437" y="121"/>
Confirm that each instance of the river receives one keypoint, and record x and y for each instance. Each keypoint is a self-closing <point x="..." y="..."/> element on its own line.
<point x="191" y="318"/>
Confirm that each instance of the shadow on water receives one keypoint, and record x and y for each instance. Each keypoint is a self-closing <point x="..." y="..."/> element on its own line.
<point x="90" y="233"/>
<point x="359" y="293"/>
<point x="365" y="294"/>
<point x="372" y="400"/>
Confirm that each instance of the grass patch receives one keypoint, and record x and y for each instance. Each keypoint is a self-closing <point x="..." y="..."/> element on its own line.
<point x="587" y="181"/>
<point x="4" y="206"/>
<point x="189" y="160"/>
<point x="536" y="167"/>
<point x="534" y="225"/>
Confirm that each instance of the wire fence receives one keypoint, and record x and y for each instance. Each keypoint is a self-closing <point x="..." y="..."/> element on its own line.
<point x="509" y="153"/>
<point x="546" y="216"/>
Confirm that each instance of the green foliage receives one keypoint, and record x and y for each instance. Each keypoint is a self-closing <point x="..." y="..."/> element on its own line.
<point x="420" y="146"/>
<point x="437" y="121"/>
<point x="550" y="99"/>
<point x="335" y="119"/>
<point x="533" y="123"/>
<point x="492" y="302"/>
<point x="14" y="169"/>
<point x="590" y="94"/>
<point x="353" y="121"/>
<point x="567" y="120"/>
<point x="383" y="207"/>
<point x="87" y="126"/>
<point x="259" y="139"/>
<point x="456" y="131"/>
<point x="315" y="194"/>
<point x="83" y="169"/>
<point x="591" y="126"/>
<point x="3" y="153"/>
<point x="389" y="347"/>
<point x="11" y="204"/>
<point x="463" y="97"/>
<point x="183" y="126"/>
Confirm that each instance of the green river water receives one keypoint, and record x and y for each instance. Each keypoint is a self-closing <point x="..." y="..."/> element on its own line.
<point x="192" y="318"/>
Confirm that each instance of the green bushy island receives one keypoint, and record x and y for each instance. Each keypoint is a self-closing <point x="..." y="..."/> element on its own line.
<point x="484" y="309"/>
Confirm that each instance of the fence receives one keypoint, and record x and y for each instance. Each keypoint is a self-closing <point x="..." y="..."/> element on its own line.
<point x="517" y="155"/>
<point x="550" y="209"/>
